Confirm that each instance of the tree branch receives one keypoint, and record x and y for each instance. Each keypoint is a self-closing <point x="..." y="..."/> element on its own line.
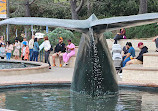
<point x="80" y="6"/>
<point x="32" y="2"/>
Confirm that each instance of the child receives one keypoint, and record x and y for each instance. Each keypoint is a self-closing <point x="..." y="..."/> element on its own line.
<point x="25" y="51"/>
<point x="9" y="49"/>
<point x="17" y="48"/>
<point x="2" y="51"/>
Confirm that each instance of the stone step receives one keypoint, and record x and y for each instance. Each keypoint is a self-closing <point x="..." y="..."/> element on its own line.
<point x="150" y="60"/>
<point x="70" y="65"/>
<point x="140" y="74"/>
<point x="151" y="45"/>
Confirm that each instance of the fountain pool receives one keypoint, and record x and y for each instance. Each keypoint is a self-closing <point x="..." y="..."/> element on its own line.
<point x="13" y="67"/>
<point x="55" y="98"/>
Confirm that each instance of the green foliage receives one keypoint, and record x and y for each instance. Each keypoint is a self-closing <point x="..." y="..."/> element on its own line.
<point x="60" y="32"/>
<point x="144" y="31"/>
<point x="108" y="35"/>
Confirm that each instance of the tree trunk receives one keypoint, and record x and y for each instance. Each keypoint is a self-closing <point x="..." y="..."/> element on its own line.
<point x="143" y="7"/>
<point x="89" y="12"/>
<point x="27" y="14"/>
<point x="27" y="8"/>
<point x="73" y="9"/>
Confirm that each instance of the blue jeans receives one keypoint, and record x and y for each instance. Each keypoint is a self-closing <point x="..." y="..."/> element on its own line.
<point x="125" y="61"/>
<point x="8" y="55"/>
<point x="31" y="54"/>
<point x="35" y="55"/>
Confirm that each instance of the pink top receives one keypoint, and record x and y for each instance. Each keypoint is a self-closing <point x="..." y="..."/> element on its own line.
<point x="9" y="48"/>
<point x="71" y="46"/>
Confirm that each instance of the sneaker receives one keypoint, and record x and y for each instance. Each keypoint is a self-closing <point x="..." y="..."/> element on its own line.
<point x="60" y="65"/>
<point x="54" y="65"/>
<point x="65" y="64"/>
<point x="50" y="67"/>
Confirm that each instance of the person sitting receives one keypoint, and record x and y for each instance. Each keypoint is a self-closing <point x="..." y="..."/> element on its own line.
<point x="139" y="59"/>
<point x="156" y="42"/>
<point x="2" y="51"/>
<point x="120" y="35"/>
<point x="130" y="55"/>
<point x="125" y="51"/>
<point x="25" y="51"/>
<point x="59" y="50"/>
<point x="70" y="51"/>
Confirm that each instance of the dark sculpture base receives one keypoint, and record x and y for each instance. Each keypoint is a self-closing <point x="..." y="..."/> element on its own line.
<point x="94" y="73"/>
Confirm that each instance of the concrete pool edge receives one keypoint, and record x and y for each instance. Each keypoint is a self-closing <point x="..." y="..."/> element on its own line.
<point x="66" y="84"/>
<point x="40" y="67"/>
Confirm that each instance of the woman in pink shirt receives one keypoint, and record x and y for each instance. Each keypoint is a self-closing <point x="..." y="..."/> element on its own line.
<point x="70" y="51"/>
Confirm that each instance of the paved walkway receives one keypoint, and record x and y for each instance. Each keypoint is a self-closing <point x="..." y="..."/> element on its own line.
<point x="57" y="75"/>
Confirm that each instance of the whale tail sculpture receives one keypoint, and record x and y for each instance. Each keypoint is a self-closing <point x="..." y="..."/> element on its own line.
<point x="94" y="73"/>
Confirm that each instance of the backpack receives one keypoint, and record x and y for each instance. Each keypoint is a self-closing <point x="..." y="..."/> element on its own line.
<point x="51" y="48"/>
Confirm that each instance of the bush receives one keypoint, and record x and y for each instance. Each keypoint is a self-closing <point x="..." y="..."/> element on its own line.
<point x="144" y="31"/>
<point x="108" y="35"/>
<point x="60" y="32"/>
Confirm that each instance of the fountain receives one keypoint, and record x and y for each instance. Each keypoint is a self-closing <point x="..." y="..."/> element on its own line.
<point x="94" y="83"/>
<point x="94" y="72"/>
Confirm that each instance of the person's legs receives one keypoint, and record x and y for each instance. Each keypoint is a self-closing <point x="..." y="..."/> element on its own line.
<point x="53" y="56"/>
<point x="134" y="61"/>
<point x="117" y="37"/>
<point x="9" y="56"/>
<point x="47" y="58"/>
<point x="125" y="61"/>
<point x="65" y="57"/>
<point x="31" y="54"/>
<point x="34" y="55"/>
<point x="69" y="55"/>
<point x="22" y="57"/>
<point x="60" y="57"/>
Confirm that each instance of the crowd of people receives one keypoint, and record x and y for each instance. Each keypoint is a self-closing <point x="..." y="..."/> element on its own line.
<point x="129" y="56"/>
<point x="29" y="50"/>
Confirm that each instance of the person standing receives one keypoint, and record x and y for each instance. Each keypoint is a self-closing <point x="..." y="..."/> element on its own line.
<point x="70" y="51"/>
<point x="2" y="51"/>
<point x="16" y="52"/>
<point x="25" y="51"/>
<point x="24" y="40"/>
<point x="59" y="50"/>
<point x="31" y="43"/>
<point x="47" y="46"/>
<point x="35" y="50"/>
<point x="9" y="49"/>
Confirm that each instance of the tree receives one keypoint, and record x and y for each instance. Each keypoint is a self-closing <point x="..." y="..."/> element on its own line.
<point x="75" y="9"/>
<point x="143" y="6"/>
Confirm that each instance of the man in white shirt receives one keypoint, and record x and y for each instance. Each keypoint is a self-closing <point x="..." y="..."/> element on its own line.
<point x="31" y="43"/>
